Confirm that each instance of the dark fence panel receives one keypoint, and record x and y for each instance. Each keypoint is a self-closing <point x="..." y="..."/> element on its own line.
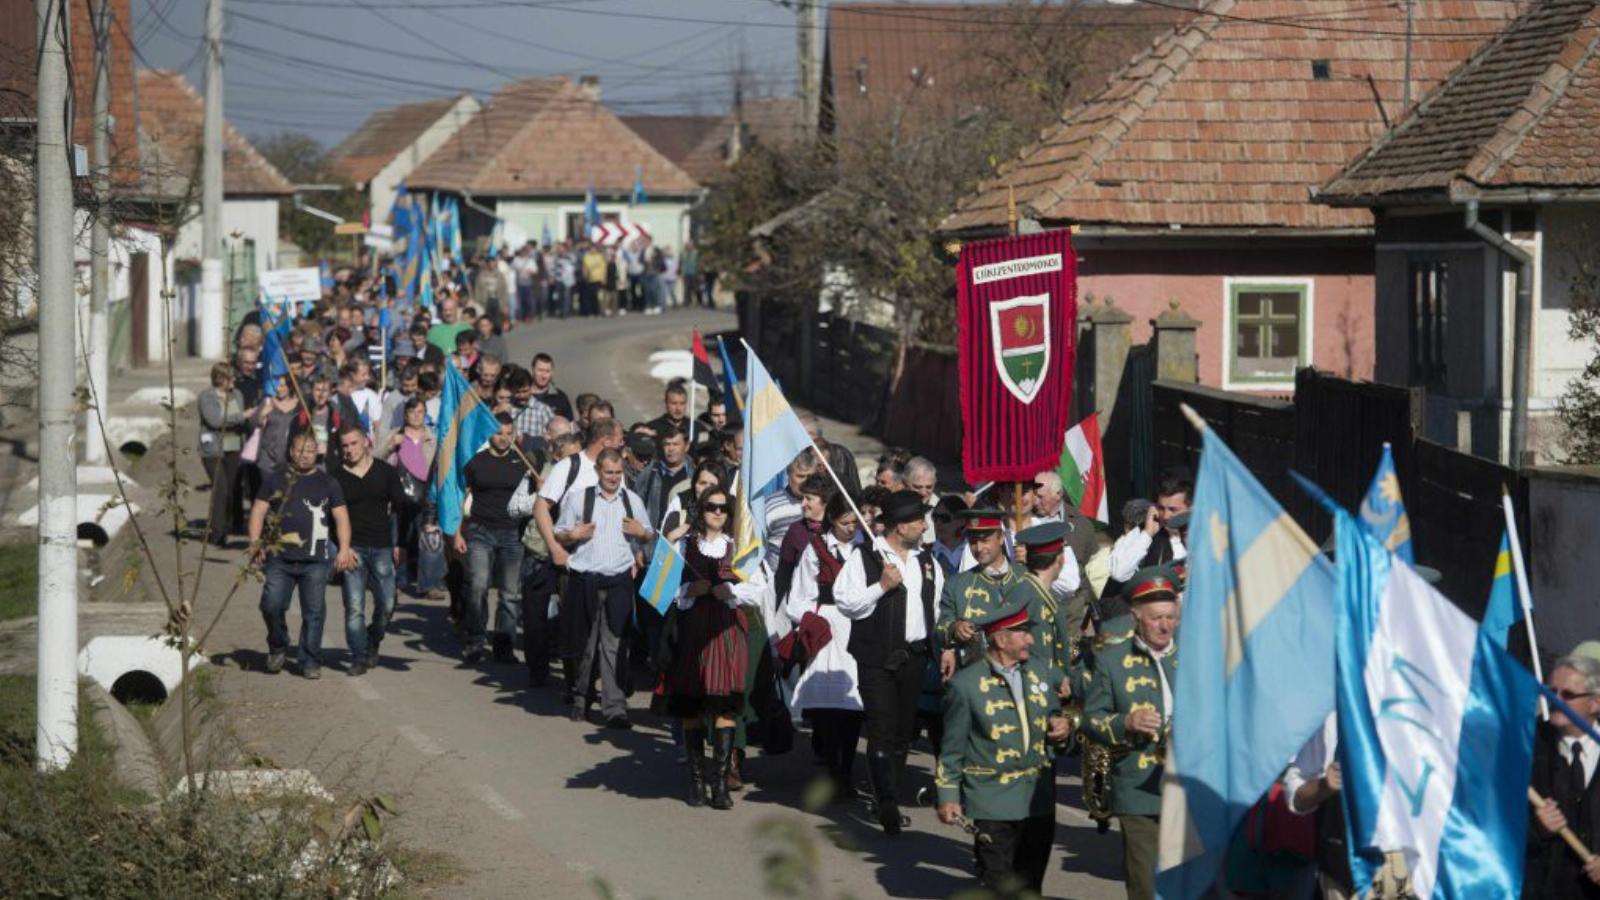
<point x="1457" y="520"/>
<point x="925" y="412"/>
<point x="1340" y="429"/>
<point x="1259" y="430"/>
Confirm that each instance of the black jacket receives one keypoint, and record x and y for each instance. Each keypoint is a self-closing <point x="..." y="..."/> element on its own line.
<point x="1553" y="872"/>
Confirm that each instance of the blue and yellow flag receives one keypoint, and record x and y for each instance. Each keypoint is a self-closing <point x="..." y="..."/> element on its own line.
<point x="1383" y="513"/>
<point x="465" y="425"/>
<point x="1505" y="607"/>
<point x="1255" y="677"/>
<point x="662" y="579"/>
<point x="773" y="437"/>
<point x="274" y="359"/>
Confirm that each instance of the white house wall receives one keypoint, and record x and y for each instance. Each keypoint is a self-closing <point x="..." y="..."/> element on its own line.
<point x="667" y="220"/>
<point x="381" y="190"/>
<point x="1570" y="233"/>
<point x="252" y="218"/>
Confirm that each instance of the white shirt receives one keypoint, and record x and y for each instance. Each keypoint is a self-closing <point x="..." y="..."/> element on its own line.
<point x="857" y="599"/>
<point x="803" y="589"/>
<point x="1130" y="549"/>
<point x="745" y="593"/>
<point x="1161" y="673"/>
<point x="609" y="552"/>
<point x="554" y="486"/>
<point x="1591" y="753"/>
<point x="1311" y="762"/>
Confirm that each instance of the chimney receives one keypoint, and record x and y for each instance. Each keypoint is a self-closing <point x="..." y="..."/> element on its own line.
<point x="589" y="86"/>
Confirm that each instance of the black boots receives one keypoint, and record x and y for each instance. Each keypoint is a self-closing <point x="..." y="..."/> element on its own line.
<point x="694" y="744"/>
<point x="721" y="761"/>
<point x="881" y="766"/>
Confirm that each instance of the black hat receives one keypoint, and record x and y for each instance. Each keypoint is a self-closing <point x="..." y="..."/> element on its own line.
<point x="902" y="506"/>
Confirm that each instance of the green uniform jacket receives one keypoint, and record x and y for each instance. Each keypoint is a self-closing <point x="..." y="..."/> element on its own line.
<point x="969" y="595"/>
<point x="1047" y="620"/>
<point x="1081" y="668"/>
<point x="984" y="762"/>
<point x="1125" y="679"/>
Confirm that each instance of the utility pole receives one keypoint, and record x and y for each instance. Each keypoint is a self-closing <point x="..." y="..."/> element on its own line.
<point x="94" y="445"/>
<point x="56" y="737"/>
<point x="213" y="314"/>
<point x="810" y="36"/>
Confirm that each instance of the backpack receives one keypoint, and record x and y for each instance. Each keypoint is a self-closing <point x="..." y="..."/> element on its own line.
<point x="588" y="504"/>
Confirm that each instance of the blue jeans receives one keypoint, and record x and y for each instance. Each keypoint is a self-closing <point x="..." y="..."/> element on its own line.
<point x="283" y="576"/>
<point x="374" y="567"/>
<point x="494" y="559"/>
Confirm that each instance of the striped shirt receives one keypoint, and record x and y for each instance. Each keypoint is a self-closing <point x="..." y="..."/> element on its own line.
<point x="782" y="509"/>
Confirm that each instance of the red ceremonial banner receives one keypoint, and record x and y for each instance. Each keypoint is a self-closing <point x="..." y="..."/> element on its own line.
<point x="1016" y="318"/>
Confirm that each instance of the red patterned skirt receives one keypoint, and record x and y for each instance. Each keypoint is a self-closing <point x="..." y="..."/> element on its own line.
<point x="708" y="670"/>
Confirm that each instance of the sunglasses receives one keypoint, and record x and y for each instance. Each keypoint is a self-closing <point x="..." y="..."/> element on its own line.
<point x="1570" y="696"/>
<point x="717" y="508"/>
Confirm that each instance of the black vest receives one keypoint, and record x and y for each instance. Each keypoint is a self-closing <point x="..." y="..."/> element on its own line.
<point x="877" y="636"/>
<point x="1553" y="872"/>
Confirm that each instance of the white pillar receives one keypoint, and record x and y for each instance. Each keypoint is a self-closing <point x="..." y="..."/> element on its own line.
<point x="56" y="737"/>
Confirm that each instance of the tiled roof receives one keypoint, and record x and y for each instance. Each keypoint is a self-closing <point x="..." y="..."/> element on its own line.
<point x="547" y="136"/>
<point x="385" y="133"/>
<point x="1523" y="112"/>
<point x="695" y="144"/>
<point x="881" y="54"/>
<point x="1231" y="120"/>
<point x="171" y="119"/>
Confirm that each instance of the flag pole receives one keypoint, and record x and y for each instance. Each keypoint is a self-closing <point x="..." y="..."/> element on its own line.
<point x="1523" y="594"/>
<point x="1566" y="833"/>
<point x="691" y="399"/>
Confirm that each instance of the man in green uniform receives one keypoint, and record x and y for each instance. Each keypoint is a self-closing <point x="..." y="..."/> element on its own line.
<point x="973" y="593"/>
<point x="1050" y="581"/>
<point x="1129" y="711"/>
<point x="998" y="718"/>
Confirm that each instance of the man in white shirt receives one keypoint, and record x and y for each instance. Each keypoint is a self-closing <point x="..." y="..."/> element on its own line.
<point x="603" y="529"/>
<point x="888" y="590"/>
<point x="571" y="476"/>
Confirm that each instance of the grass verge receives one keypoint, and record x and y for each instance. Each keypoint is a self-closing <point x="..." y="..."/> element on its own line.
<point x="19" y="580"/>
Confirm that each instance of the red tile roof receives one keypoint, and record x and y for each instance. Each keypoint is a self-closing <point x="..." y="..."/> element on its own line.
<point x="384" y="135"/>
<point x="545" y="136"/>
<point x="1229" y="121"/>
<point x="773" y="121"/>
<point x="1524" y="112"/>
<point x="171" y="118"/>
<point x="696" y="144"/>
<point x="880" y="53"/>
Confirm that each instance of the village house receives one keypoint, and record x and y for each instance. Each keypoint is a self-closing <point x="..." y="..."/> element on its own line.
<point x="1187" y="178"/>
<point x="379" y="156"/>
<point x="1487" y="206"/>
<point x="537" y="149"/>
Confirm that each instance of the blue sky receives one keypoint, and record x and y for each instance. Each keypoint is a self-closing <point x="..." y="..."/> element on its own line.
<point x="286" y="59"/>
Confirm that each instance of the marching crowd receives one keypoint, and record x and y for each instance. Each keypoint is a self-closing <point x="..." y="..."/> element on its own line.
<point x="1019" y="636"/>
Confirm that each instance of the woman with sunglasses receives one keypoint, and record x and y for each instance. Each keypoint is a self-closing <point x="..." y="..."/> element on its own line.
<point x="705" y="684"/>
<point x="827" y="693"/>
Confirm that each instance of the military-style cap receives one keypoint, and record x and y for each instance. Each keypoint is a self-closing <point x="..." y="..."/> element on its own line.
<point x="1150" y="584"/>
<point x="1011" y="614"/>
<point x="984" y="518"/>
<point x="1044" y="538"/>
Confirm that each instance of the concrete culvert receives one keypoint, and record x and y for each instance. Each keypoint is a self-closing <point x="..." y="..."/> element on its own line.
<point x="92" y="532"/>
<point x="139" y="686"/>
<point x="134" y="450"/>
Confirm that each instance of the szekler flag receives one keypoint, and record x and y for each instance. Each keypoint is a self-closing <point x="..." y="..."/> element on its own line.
<point x="663" y="578"/>
<point x="1436" y="727"/>
<point x="1255" y="673"/>
<point x="465" y="425"/>
<point x="1083" y="470"/>
<point x="773" y="437"/>
<point x="1016" y="317"/>
<point x="1383" y="512"/>
<point x="1505" y="608"/>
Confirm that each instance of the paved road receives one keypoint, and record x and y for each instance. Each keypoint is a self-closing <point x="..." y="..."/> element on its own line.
<point x="532" y="804"/>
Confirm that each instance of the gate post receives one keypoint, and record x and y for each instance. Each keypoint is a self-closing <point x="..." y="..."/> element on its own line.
<point x="1176" y="358"/>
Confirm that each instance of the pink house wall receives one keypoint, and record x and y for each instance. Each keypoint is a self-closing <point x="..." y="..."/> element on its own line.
<point x="1143" y="282"/>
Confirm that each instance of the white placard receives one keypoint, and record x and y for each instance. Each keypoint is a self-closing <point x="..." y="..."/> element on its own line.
<point x="1016" y="268"/>
<point x="294" y="285"/>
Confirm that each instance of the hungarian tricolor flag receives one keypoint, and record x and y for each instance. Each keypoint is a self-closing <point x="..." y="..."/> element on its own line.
<point x="702" y="364"/>
<point x="1016" y="308"/>
<point x="1083" y="470"/>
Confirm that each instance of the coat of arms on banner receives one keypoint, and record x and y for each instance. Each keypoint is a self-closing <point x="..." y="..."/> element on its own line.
<point x="1021" y="330"/>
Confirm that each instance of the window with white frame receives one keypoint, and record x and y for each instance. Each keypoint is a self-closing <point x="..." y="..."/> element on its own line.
<point x="1268" y="330"/>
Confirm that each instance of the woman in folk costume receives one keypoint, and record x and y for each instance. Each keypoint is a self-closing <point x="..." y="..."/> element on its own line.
<point x="827" y="694"/>
<point x="706" y="683"/>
